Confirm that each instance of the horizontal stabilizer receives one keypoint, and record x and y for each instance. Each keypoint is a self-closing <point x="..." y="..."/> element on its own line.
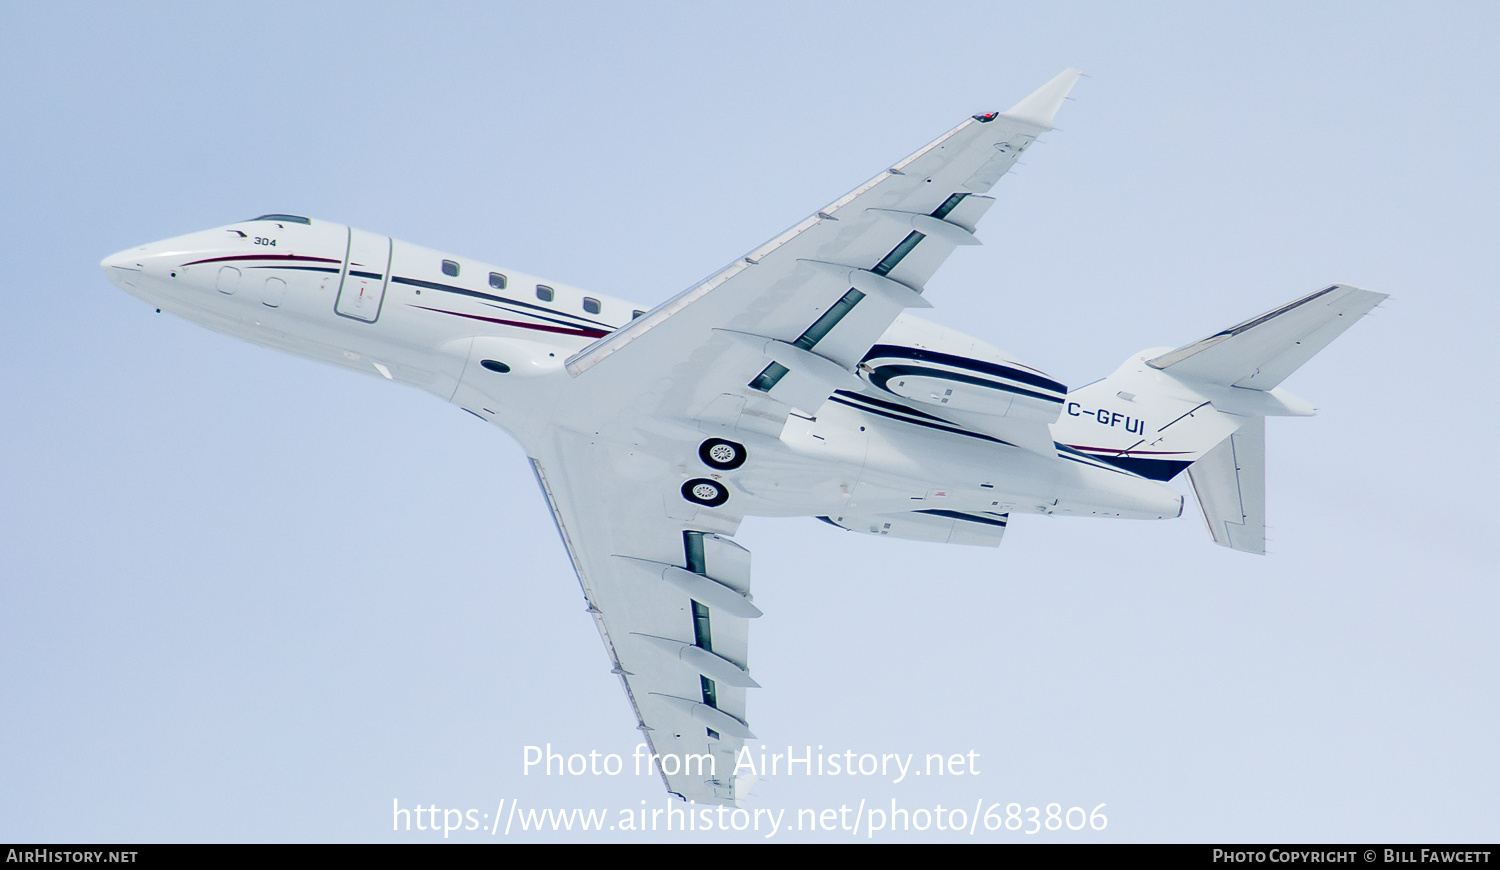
<point x="1260" y="353"/>
<point x="1230" y="482"/>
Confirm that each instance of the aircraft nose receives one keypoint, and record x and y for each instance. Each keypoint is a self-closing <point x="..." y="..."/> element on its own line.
<point x="123" y="268"/>
<point x="115" y="261"/>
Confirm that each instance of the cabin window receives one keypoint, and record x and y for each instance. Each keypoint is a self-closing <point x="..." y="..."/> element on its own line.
<point x="544" y="293"/>
<point x="497" y="280"/>
<point x="450" y="268"/>
<point x="591" y="305"/>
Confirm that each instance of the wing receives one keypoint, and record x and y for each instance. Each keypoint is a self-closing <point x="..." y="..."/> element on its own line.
<point x="670" y="597"/>
<point x="786" y="325"/>
<point x="781" y="328"/>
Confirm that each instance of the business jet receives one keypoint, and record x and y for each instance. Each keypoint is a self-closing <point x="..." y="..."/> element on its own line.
<point x="794" y="382"/>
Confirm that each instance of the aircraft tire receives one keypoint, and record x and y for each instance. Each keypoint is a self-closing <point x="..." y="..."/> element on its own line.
<point x="708" y="493"/>
<point x="721" y="454"/>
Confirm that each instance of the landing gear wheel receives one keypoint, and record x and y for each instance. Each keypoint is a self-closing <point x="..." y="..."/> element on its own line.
<point x="721" y="454"/>
<point x="705" y="492"/>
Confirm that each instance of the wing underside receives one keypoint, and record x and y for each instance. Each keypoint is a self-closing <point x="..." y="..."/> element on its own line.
<point x="779" y="329"/>
<point x="670" y="597"/>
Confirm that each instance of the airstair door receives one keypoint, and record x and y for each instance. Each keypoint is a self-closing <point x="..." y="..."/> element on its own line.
<point x="365" y="275"/>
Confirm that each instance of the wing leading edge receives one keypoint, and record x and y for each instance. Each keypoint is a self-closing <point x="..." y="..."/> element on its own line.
<point x="765" y="327"/>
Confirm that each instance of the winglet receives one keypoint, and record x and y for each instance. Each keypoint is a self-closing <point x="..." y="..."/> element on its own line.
<point x="1041" y="107"/>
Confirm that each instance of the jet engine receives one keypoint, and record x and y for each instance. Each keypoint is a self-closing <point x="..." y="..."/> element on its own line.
<point x="975" y="528"/>
<point x="994" y="388"/>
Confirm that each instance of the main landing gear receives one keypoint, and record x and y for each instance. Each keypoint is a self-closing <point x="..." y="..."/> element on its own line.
<point x="709" y="493"/>
<point x="721" y="454"/>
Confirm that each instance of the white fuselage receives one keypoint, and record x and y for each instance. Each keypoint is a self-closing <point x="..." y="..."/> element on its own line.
<point x="494" y="341"/>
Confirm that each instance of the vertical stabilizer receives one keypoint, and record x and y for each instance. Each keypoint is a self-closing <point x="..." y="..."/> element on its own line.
<point x="1230" y="482"/>
<point x="1203" y="408"/>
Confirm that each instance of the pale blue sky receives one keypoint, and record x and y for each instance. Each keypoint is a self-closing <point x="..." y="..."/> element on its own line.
<point x="221" y="620"/>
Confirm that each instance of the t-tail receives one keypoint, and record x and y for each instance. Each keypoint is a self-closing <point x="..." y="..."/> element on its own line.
<point x="1202" y="408"/>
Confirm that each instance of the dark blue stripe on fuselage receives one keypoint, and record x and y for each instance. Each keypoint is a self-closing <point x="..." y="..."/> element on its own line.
<point x="1090" y="460"/>
<point x="837" y="397"/>
<point x="463" y="291"/>
<point x="972" y="518"/>
<point x="889" y="406"/>
<point x="1151" y="469"/>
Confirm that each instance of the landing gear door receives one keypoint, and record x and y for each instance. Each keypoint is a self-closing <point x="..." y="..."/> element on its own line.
<point x="365" y="274"/>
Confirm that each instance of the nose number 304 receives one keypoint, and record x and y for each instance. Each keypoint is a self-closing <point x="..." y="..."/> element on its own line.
<point x="262" y="241"/>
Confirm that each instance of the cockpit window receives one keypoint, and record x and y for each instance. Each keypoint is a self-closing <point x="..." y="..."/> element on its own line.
<point x="283" y="218"/>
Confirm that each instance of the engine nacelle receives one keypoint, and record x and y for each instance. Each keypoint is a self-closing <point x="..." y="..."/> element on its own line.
<point x="975" y="528"/>
<point x="954" y="382"/>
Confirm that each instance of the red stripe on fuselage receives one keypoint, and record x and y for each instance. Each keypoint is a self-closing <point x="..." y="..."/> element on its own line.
<point x="282" y="257"/>
<point x="562" y="330"/>
<point x="1119" y="452"/>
